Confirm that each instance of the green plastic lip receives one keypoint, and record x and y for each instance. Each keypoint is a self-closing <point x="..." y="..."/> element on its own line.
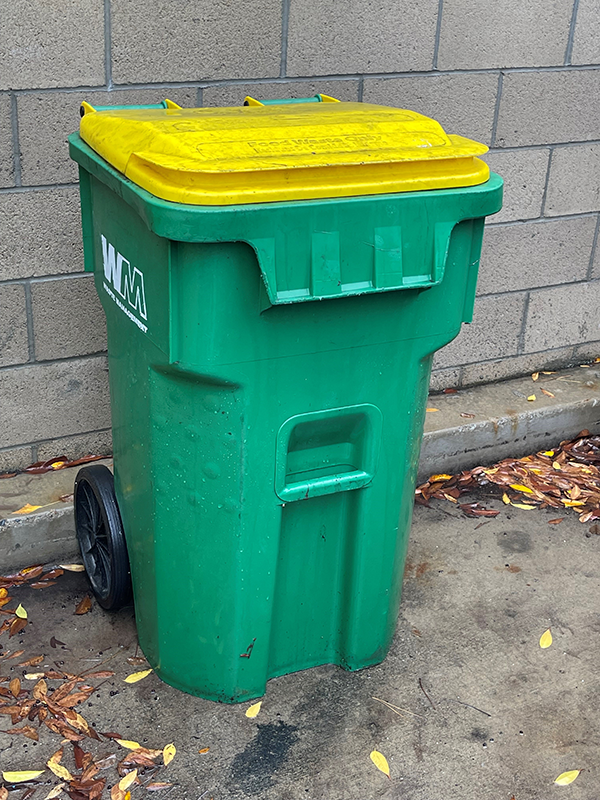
<point x="291" y="100"/>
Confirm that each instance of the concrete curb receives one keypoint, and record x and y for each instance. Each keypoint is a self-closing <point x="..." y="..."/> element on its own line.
<point x="502" y="422"/>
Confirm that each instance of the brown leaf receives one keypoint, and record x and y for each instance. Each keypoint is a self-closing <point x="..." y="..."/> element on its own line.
<point x="74" y="699"/>
<point x="450" y="391"/>
<point x="16" y="626"/>
<point x="466" y="415"/>
<point x="103" y="673"/>
<point x="15" y="687"/>
<point x="54" y="642"/>
<point x="32" y="662"/>
<point x="84" y="606"/>
<point x="40" y="690"/>
<point x="157" y="786"/>
<point x="42" y="584"/>
<point x="56" y="758"/>
<point x="556" y="521"/>
<point x="136" y="660"/>
<point x="3" y="789"/>
<point x="475" y="510"/>
<point x="26" y="730"/>
<point x="110" y="735"/>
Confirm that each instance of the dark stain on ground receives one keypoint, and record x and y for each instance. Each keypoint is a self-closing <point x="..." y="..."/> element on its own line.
<point x="422" y="569"/>
<point x="479" y="734"/>
<point x="514" y="541"/>
<point x="253" y="770"/>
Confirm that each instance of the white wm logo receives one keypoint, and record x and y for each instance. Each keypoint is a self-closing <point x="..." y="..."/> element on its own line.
<point x="127" y="281"/>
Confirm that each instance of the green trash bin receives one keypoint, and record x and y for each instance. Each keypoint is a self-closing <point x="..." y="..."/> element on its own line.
<point x="276" y="279"/>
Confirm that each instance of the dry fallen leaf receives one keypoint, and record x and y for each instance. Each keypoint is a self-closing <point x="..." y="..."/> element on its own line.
<point x="523" y="506"/>
<point x="505" y="499"/>
<point x="32" y="662"/>
<point x="26" y="509"/>
<point x="565" y="778"/>
<point x="432" y="409"/>
<point x="204" y="750"/>
<point x="441" y="477"/>
<point x="34" y="676"/>
<point x="84" y="606"/>
<point x="556" y="521"/>
<point x="520" y="488"/>
<point x="158" y="786"/>
<point x="547" y="393"/>
<point x="72" y="567"/>
<point x="54" y="792"/>
<point x="22" y="776"/>
<point x="169" y="753"/>
<point x="137" y="676"/>
<point x="535" y="376"/>
<point x="467" y="415"/>
<point x="380" y="762"/>
<point x="59" y="770"/>
<point x="129" y="745"/>
<point x="253" y="710"/>
<point x="546" y="639"/>
<point x="126" y="782"/>
<point x="20" y="612"/>
<point x="531" y="398"/>
<point x="3" y="793"/>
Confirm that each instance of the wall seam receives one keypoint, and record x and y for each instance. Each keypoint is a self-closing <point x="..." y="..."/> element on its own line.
<point x="571" y="36"/>
<point x="38" y="187"/>
<point x="438" y="34"/>
<point x="200" y="97"/>
<point x="29" y="318"/>
<point x="546" y="182"/>
<point x="37" y="442"/>
<point x="66" y="360"/>
<point x="534" y="288"/>
<point x="361" y="88"/>
<point x="496" y="109"/>
<point x="285" y="24"/>
<point x="14" y="125"/>
<point x="593" y="253"/>
<point x="521" y="340"/>
<point x="108" y="45"/>
<point x="42" y="278"/>
<point x="499" y="359"/>
<point x="557" y="218"/>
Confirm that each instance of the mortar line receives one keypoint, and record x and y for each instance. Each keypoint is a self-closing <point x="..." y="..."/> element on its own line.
<point x="593" y="253"/>
<point x="556" y="218"/>
<point x="521" y="339"/>
<point x="48" y="362"/>
<point x="531" y="289"/>
<point x="571" y="36"/>
<point x="438" y="34"/>
<point x="547" y="180"/>
<point x="543" y="146"/>
<point x="42" y="278"/>
<point x="14" y="124"/>
<point x="361" y="88"/>
<point x="304" y="79"/>
<point x="35" y="188"/>
<point x="37" y="442"/>
<point x="497" y="109"/>
<point x="200" y="97"/>
<point x="108" y="45"/>
<point x="285" y="24"/>
<point x="29" y="319"/>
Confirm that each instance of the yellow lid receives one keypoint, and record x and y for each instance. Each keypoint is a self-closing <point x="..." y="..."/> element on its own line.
<point x="258" y="154"/>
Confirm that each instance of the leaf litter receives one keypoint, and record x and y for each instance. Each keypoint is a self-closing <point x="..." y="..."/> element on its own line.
<point x="567" y="477"/>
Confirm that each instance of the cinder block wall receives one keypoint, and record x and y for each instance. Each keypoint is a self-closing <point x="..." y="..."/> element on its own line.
<point x="522" y="77"/>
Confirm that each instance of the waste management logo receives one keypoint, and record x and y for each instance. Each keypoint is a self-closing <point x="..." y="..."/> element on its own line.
<point x="124" y="284"/>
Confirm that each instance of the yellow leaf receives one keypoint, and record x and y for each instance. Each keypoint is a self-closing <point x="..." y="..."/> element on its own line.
<point x="546" y="639"/>
<point x="380" y="762"/>
<point x="59" y="771"/>
<point x="20" y="612"/>
<point x="54" y="792"/>
<point x="520" y="488"/>
<point x="548" y="372"/>
<point x="204" y="750"/>
<point x="253" y="710"/>
<point x="523" y="506"/>
<point x="531" y="398"/>
<point x="20" y="777"/>
<point x="565" y="778"/>
<point x="26" y="509"/>
<point x="506" y="499"/>
<point x="56" y="757"/>
<point x="547" y="393"/>
<point x="128" y="744"/>
<point x="3" y="593"/>
<point x="73" y="567"/>
<point x="572" y="503"/>
<point x="127" y="796"/>
<point x="169" y="753"/>
<point x="126" y="782"/>
<point x="556" y="465"/>
<point x="535" y="376"/>
<point x="427" y="409"/>
<point x="548" y="453"/>
<point x="442" y="477"/>
<point x="138" y="676"/>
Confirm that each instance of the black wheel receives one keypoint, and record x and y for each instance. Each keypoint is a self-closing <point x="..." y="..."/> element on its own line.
<point x="101" y="537"/>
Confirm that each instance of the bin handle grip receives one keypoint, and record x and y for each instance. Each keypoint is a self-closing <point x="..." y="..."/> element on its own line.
<point x="87" y="108"/>
<point x="326" y="484"/>
<point x="317" y="98"/>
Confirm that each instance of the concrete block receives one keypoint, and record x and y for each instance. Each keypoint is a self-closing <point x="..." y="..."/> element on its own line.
<point x="68" y="319"/>
<point x="574" y="181"/>
<point x="557" y="317"/>
<point x="463" y="104"/>
<point x="40" y="233"/>
<point x="47" y="401"/>
<point x="524" y="173"/>
<point x="14" y="347"/>
<point x="45" y="121"/>
<point x="549" y="107"/>
<point x="52" y="44"/>
<point x="586" y="44"/>
<point x="14" y="458"/>
<point x="444" y="379"/>
<point x="155" y="42"/>
<point x="531" y="254"/>
<point x="98" y="443"/>
<point x="233" y="95"/>
<point x="351" y="37"/>
<point x="501" y="369"/>
<point x="494" y="332"/>
<point x="7" y="175"/>
<point x="505" y="33"/>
